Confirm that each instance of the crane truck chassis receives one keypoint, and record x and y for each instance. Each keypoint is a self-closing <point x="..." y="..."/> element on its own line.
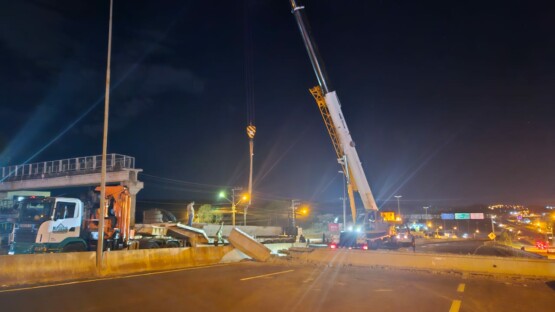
<point x="60" y="224"/>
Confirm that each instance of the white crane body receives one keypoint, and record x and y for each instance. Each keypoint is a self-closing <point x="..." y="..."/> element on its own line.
<point x="348" y="147"/>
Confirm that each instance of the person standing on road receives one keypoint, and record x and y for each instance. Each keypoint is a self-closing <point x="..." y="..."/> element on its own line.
<point x="413" y="243"/>
<point x="191" y="213"/>
<point x="219" y="236"/>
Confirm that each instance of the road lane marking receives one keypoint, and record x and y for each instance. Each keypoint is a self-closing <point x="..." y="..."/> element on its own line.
<point x="111" y="278"/>
<point x="455" y="306"/>
<point x="461" y="287"/>
<point x="264" y="275"/>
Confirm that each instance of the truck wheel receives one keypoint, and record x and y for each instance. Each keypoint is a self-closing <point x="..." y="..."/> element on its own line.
<point x="74" y="247"/>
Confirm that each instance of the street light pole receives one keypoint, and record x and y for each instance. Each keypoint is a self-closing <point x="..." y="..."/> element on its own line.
<point x="492" y="228"/>
<point x="398" y="205"/>
<point x="426" y="210"/>
<point x="233" y="202"/>
<point x="100" y="238"/>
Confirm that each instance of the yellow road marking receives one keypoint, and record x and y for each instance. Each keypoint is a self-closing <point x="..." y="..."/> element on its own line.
<point x="259" y="276"/>
<point x="455" y="306"/>
<point x="460" y="288"/>
<point x="111" y="278"/>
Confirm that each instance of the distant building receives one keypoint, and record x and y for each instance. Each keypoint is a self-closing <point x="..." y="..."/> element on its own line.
<point x="512" y="209"/>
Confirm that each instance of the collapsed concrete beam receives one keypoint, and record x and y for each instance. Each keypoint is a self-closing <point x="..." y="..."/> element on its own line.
<point x="194" y="235"/>
<point x="248" y="245"/>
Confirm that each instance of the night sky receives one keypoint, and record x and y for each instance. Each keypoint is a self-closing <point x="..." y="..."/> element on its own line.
<point x="450" y="103"/>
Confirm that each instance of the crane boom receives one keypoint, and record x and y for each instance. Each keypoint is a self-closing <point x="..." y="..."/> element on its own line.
<point x="330" y="108"/>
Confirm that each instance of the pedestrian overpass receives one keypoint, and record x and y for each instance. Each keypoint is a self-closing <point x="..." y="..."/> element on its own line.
<point x="72" y="172"/>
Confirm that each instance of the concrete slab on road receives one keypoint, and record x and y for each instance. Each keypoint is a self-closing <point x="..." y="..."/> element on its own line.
<point x="248" y="245"/>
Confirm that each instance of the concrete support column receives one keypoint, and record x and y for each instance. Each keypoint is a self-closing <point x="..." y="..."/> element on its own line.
<point x="133" y="190"/>
<point x="133" y="186"/>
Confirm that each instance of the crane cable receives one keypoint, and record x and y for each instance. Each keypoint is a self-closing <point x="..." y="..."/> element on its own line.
<point x="249" y="70"/>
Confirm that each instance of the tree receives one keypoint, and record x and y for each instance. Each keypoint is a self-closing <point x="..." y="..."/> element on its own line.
<point x="207" y="214"/>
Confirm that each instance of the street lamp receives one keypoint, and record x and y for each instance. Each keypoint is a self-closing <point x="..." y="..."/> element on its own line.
<point x="233" y="202"/>
<point x="398" y="204"/>
<point x="344" y="199"/>
<point x="426" y="210"/>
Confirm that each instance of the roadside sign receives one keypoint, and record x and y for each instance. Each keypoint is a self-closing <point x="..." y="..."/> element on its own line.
<point x="333" y="227"/>
<point x="462" y="216"/>
<point x="491" y="236"/>
<point x="388" y="216"/>
<point x="477" y="216"/>
<point x="447" y="216"/>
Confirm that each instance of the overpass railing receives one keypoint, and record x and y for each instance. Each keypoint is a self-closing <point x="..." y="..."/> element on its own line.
<point x="70" y="166"/>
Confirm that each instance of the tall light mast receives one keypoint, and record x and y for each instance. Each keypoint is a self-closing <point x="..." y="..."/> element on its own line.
<point x="249" y="92"/>
<point x="251" y="131"/>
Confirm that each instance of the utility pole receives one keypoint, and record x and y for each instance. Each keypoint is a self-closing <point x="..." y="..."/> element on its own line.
<point x="398" y="205"/>
<point x="426" y="210"/>
<point x="233" y="203"/>
<point x="294" y="205"/>
<point x="101" y="213"/>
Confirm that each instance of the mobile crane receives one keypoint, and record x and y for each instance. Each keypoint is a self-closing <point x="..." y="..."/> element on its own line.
<point x="373" y="231"/>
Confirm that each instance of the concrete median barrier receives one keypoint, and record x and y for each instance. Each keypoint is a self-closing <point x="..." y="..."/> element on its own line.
<point x="436" y="262"/>
<point x="46" y="268"/>
<point x="56" y="267"/>
<point x="147" y="260"/>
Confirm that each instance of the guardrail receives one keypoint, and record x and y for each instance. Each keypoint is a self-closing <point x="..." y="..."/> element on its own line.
<point x="69" y="166"/>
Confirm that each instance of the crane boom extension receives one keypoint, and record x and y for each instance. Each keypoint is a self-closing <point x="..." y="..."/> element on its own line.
<point x="330" y="108"/>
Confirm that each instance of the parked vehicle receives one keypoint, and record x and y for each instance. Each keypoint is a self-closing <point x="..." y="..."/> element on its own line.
<point x="61" y="224"/>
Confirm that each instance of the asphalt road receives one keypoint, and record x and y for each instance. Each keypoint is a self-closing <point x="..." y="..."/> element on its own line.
<point x="250" y="286"/>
